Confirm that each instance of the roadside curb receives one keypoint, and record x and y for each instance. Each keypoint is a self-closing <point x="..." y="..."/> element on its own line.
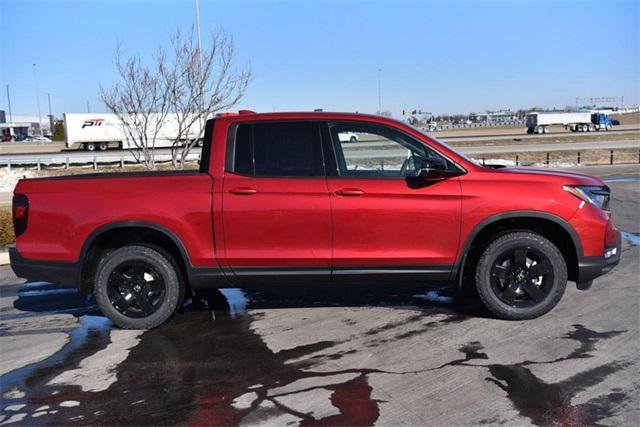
<point x="4" y="258"/>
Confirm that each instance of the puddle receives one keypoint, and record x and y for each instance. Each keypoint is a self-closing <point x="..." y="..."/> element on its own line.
<point x="547" y="403"/>
<point x="435" y="296"/>
<point x="236" y="299"/>
<point x="632" y="238"/>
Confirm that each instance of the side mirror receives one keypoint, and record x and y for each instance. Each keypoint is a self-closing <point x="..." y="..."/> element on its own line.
<point x="433" y="169"/>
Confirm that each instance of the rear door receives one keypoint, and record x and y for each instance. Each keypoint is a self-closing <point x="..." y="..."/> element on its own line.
<point x="389" y="224"/>
<point x="275" y="207"/>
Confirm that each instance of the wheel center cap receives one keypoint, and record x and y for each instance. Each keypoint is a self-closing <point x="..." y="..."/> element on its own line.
<point x="137" y="288"/>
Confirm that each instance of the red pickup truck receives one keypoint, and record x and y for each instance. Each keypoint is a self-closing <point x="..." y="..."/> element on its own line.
<point x="287" y="198"/>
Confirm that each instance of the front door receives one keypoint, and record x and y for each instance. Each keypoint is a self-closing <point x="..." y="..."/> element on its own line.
<point x="389" y="224"/>
<point x="275" y="207"/>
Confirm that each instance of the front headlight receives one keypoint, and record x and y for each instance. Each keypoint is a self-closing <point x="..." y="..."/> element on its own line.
<point x="597" y="196"/>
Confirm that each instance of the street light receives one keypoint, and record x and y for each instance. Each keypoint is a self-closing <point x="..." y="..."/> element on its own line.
<point x="379" y="92"/>
<point x="50" y="114"/>
<point x="35" y="78"/>
<point x="9" y="104"/>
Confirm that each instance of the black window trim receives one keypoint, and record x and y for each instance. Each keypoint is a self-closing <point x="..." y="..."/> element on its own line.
<point x="229" y="166"/>
<point x="331" y="149"/>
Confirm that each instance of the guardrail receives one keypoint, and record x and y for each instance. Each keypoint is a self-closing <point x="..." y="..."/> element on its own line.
<point x="547" y="161"/>
<point x="68" y="161"/>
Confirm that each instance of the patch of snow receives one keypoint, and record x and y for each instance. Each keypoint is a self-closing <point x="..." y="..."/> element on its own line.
<point x="9" y="178"/>
<point x="632" y="238"/>
<point x="69" y="403"/>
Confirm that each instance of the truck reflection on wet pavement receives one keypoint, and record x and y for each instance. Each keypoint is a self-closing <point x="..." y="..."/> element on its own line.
<point x="211" y="366"/>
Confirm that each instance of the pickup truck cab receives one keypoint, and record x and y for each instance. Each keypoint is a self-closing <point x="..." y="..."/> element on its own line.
<point x="283" y="198"/>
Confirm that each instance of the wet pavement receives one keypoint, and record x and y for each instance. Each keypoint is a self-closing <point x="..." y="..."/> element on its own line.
<point x="340" y="356"/>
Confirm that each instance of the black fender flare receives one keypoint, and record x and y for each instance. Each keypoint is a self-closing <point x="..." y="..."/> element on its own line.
<point x="197" y="276"/>
<point x="132" y="224"/>
<point x="458" y="267"/>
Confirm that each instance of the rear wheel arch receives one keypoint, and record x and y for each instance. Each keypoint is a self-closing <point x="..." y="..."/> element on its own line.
<point x="550" y="226"/>
<point x="115" y="235"/>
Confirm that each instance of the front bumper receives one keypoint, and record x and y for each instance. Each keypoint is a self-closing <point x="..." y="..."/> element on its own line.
<point x="60" y="273"/>
<point x="591" y="267"/>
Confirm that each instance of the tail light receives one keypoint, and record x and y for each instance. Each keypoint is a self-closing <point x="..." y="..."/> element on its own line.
<point x="20" y="213"/>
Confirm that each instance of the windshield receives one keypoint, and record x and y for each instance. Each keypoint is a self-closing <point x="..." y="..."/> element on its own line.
<point x="439" y="141"/>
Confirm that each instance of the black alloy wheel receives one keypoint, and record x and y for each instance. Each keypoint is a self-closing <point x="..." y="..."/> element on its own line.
<point x="521" y="275"/>
<point x="139" y="287"/>
<point x="136" y="289"/>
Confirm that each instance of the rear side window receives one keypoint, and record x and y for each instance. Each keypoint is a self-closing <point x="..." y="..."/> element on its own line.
<point x="277" y="150"/>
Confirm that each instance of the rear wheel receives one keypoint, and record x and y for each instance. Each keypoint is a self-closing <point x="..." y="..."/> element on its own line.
<point x="90" y="146"/>
<point x="521" y="275"/>
<point x="138" y="287"/>
<point x="103" y="146"/>
<point x="353" y="139"/>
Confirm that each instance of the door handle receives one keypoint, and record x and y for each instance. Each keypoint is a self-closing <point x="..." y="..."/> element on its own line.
<point x="349" y="192"/>
<point x="243" y="191"/>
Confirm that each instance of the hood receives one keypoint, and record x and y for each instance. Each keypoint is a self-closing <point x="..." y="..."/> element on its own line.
<point x="570" y="177"/>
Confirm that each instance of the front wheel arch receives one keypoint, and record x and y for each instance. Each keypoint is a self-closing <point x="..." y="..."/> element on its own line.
<point x="550" y="226"/>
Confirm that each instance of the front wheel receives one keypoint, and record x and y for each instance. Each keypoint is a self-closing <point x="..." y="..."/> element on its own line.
<point x="521" y="275"/>
<point x="138" y="287"/>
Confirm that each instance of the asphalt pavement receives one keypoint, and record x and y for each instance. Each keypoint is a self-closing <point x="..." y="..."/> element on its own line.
<point x="339" y="356"/>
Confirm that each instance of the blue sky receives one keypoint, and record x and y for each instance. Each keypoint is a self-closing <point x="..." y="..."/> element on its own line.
<point x="436" y="56"/>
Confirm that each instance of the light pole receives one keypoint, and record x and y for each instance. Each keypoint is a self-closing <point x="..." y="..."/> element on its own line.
<point x="35" y="78"/>
<point x="379" y="92"/>
<point x="50" y="114"/>
<point x="198" y="26"/>
<point x="9" y="105"/>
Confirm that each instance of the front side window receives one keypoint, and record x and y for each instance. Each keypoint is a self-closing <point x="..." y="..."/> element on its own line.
<point x="367" y="150"/>
<point x="277" y="150"/>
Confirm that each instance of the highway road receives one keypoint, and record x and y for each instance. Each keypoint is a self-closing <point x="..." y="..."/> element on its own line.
<point x="330" y="356"/>
<point x="357" y="151"/>
<point x="377" y="151"/>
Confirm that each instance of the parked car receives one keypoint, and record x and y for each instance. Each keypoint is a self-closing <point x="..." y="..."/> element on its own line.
<point x="278" y="199"/>
<point x="37" y="138"/>
<point x="348" y="137"/>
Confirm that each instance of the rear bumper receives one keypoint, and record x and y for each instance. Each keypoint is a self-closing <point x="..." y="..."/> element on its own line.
<point x="60" y="273"/>
<point x="591" y="267"/>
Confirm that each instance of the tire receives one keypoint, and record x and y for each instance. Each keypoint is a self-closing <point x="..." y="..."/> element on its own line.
<point x="513" y="290"/>
<point x="540" y="130"/>
<point x="126" y="295"/>
<point x="103" y="146"/>
<point x="353" y="139"/>
<point x="90" y="146"/>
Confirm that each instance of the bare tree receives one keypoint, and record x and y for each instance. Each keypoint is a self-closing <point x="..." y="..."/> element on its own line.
<point x="180" y="91"/>
<point x="140" y="101"/>
<point x="199" y="84"/>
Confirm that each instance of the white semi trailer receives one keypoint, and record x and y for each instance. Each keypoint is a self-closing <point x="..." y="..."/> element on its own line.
<point x="103" y="131"/>
<point x="575" y="122"/>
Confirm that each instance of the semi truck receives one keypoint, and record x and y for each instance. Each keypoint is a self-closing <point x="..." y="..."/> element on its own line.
<point x="91" y="132"/>
<point x="575" y="122"/>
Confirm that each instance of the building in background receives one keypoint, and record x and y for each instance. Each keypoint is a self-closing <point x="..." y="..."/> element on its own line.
<point x="22" y="124"/>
